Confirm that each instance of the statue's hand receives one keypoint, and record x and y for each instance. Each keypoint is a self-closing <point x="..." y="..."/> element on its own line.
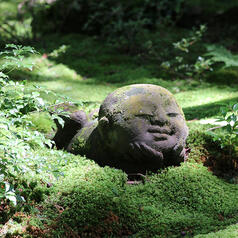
<point x="141" y="152"/>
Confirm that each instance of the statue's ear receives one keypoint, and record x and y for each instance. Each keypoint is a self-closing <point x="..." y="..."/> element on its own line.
<point x="103" y="123"/>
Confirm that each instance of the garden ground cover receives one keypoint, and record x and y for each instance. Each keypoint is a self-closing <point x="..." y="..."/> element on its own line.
<point x="86" y="200"/>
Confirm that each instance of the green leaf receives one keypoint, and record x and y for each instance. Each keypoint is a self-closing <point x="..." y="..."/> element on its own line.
<point x="12" y="198"/>
<point x="58" y="118"/>
<point x="235" y="107"/>
<point x="221" y="54"/>
<point x="7" y="187"/>
<point x="2" y="75"/>
<point x="229" y="128"/>
<point x="13" y="46"/>
<point x="35" y="94"/>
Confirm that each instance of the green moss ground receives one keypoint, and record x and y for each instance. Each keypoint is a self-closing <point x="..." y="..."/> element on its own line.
<point x="75" y="197"/>
<point x="97" y="202"/>
<point x="230" y="231"/>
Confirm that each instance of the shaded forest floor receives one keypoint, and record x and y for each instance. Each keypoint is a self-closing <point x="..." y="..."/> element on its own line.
<point x="73" y="197"/>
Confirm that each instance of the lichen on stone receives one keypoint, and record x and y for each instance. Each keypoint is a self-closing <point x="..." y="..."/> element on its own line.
<point x="139" y="128"/>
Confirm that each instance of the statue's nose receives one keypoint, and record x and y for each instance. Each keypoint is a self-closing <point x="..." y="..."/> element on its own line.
<point x="160" y="119"/>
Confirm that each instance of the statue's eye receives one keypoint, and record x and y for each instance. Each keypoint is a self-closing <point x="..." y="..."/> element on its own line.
<point x="146" y="116"/>
<point x="172" y="114"/>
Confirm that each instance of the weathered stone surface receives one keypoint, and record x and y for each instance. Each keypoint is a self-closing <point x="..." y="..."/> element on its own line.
<point x="74" y="121"/>
<point x="140" y="128"/>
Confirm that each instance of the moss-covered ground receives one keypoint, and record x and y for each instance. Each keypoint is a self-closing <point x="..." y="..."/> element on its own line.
<point x="73" y="197"/>
<point x="85" y="200"/>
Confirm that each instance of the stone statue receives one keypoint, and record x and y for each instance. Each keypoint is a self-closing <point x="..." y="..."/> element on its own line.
<point x="139" y="128"/>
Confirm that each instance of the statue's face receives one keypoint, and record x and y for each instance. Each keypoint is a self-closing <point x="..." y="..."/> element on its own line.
<point x="156" y="127"/>
<point x="147" y="124"/>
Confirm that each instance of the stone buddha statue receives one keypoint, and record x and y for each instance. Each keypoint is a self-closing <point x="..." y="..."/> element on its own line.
<point x="139" y="128"/>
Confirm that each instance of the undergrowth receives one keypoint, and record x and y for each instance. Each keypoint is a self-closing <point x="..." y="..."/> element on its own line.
<point x="85" y="200"/>
<point x="96" y="202"/>
<point x="49" y="193"/>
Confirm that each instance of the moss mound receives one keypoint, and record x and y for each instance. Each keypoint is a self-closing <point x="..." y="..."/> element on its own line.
<point x="230" y="231"/>
<point x="97" y="202"/>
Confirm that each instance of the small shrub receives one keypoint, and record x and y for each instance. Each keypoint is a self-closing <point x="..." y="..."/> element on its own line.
<point x="228" y="139"/>
<point x="16" y="140"/>
<point x="181" y="64"/>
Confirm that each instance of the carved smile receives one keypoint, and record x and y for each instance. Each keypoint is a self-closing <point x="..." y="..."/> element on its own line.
<point x="159" y="130"/>
<point x="160" y="134"/>
<point x="160" y="137"/>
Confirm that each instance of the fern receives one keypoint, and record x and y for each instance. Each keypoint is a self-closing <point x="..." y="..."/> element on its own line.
<point x="221" y="54"/>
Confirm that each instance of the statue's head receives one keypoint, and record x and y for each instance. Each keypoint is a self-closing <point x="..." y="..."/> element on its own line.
<point x="143" y="123"/>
